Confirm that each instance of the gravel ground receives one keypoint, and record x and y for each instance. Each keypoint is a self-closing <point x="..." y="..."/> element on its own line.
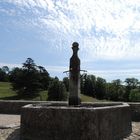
<point x="135" y="135"/>
<point x="10" y="128"/>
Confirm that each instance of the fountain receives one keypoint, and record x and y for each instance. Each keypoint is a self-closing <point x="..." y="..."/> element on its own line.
<point x="75" y="120"/>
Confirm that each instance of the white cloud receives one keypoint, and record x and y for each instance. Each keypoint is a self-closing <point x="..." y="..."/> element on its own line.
<point x="116" y="74"/>
<point x="103" y="28"/>
<point x="10" y="65"/>
<point x="56" y="68"/>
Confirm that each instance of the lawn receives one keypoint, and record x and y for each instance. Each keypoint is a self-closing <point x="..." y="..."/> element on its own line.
<point x="85" y="98"/>
<point x="6" y="90"/>
<point x="6" y="93"/>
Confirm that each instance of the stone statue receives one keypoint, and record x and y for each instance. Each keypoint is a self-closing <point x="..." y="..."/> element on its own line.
<point x="74" y="76"/>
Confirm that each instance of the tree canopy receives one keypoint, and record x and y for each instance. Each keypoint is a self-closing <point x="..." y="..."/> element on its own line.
<point x="30" y="79"/>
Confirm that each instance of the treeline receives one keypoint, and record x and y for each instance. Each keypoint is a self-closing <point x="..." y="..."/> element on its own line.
<point x="117" y="90"/>
<point x="30" y="79"/>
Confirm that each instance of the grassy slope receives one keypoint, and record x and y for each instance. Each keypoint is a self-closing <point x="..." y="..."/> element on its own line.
<point x="6" y="93"/>
<point x="6" y="90"/>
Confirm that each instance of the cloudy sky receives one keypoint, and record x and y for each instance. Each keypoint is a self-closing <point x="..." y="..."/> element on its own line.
<point x="108" y="32"/>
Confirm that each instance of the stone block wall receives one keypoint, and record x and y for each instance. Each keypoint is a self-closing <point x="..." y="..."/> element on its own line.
<point x="135" y="111"/>
<point x="14" y="107"/>
<point x="60" y="122"/>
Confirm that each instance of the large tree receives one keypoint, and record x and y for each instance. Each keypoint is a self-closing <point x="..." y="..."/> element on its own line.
<point x="29" y="79"/>
<point x="130" y="83"/>
<point x="115" y="90"/>
<point x="44" y="77"/>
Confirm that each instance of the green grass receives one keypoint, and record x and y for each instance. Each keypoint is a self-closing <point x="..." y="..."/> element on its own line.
<point x="6" y="90"/>
<point x="43" y="96"/>
<point x="85" y="98"/>
<point x="6" y="93"/>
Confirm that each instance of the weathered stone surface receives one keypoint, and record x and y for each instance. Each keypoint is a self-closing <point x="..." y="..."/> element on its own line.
<point x="74" y="76"/>
<point x="14" y="106"/>
<point x="85" y="122"/>
<point x="135" y="111"/>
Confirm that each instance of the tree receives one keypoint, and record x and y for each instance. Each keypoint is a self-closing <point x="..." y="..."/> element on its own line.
<point x="115" y="90"/>
<point x="25" y="82"/>
<point x="66" y="83"/>
<point x="2" y="76"/>
<point x="88" y="83"/>
<point x="134" y="95"/>
<point x="130" y="83"/>
<point x="30" y="79"/>
<point x="100" y="88"/>
<point x="44" y="77"/>
<point x="29" y="64"/>
<point x="56" y="91"/>
<point x="5" y="69"/>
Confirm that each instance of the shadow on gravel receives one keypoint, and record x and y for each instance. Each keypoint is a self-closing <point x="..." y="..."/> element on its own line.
<point x="15" y="135"/>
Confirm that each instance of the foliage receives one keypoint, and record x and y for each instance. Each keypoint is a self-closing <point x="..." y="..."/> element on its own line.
<point x="130" y="83"/>
<point x="4" y="74"/>
<point x="44" y="78"/>
<point x="115" y="90"/>
<point x="66" y="83"/>
<point x="6" y="93"/>
<point x="134" y="95"/>
<point x="57" y="91"/>
<point x="88" y="83"/>
<point x="30" y="79"/>
<point x="100" y="88"/>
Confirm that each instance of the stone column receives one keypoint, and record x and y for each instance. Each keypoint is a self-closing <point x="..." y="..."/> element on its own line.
<point x="74" y="76"/>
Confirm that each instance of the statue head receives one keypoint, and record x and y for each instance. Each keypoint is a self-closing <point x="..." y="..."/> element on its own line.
<point x="75" y="47"/>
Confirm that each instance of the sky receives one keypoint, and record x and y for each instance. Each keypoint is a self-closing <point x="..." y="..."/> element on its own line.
<point x="108" y="33"/>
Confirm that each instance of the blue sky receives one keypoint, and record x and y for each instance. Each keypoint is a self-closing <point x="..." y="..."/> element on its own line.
<point x="108" y="32"/>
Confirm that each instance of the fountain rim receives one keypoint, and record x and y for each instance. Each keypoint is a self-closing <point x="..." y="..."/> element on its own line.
<point x="83" y="106"/>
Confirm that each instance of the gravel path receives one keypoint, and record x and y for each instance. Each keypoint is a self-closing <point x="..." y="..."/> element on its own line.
<point x="135" y="135"/>
<point x="10" y="128"/>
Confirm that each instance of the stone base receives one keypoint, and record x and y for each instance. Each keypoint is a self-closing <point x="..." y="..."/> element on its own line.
<point x="74" y="101"/>
<point x="57" y="121"/>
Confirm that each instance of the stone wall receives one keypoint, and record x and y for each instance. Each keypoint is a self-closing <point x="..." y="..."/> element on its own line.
<point x="14" y="107"/>
<point x="85" y="122"/>
<point x="135" y="111"/>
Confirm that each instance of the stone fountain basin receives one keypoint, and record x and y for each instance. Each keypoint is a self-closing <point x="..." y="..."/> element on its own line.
<point x="88" y="121"/>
